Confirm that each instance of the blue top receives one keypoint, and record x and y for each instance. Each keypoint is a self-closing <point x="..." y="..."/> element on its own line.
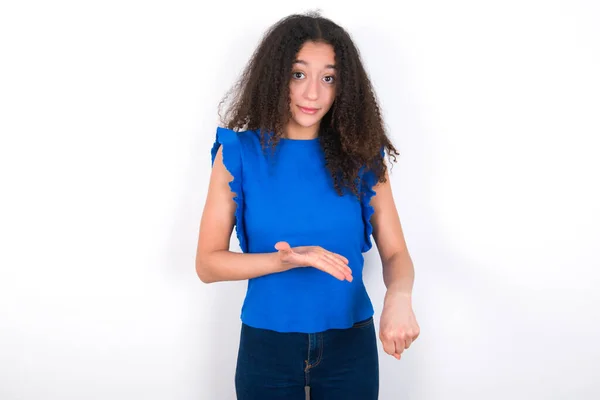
<point x="289" y="196"/>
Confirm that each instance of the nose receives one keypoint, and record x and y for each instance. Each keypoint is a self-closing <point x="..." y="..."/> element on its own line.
<point x="311" y="91"/>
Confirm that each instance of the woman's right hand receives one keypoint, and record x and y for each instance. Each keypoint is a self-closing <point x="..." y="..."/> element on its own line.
<point x="315" y="256"/>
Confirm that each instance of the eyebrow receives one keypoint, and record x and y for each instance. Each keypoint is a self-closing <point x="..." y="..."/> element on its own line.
<point x="330" y="66"/>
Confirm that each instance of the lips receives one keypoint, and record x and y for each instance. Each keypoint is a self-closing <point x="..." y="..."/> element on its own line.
<point x="308" y="110"/>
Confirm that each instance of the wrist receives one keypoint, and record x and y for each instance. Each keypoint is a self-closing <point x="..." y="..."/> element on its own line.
<point x="398" y="293"/>
<point x="278" y="264"/>
<point x="402" y="287"/>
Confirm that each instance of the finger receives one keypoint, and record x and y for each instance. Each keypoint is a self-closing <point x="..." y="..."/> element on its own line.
<point x="337" y="256"/>
<point x="388" y="346"/>
<point x="324" y="265"/>
<point x="408" y="339"/>
<point x="341" y="257"/>
<point x="335" y="260"/>
<point x="343" y="262"/>
<point x="282" y="246"/>
<point x="399" y="344"/>
<point x="347" y="275"/>
<point x="340" y="261"/>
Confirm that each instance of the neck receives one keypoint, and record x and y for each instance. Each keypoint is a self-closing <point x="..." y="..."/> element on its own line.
<point x="299" y="132"/>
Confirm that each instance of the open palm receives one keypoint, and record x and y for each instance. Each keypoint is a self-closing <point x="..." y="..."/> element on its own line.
<point x="317" y="257"/>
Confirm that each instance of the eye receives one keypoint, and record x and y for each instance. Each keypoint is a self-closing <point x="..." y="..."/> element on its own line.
<point x="331" y="79"/>
<point x="295" y="75"/>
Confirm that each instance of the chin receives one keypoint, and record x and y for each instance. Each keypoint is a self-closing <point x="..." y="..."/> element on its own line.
<point x="307" y="122"/>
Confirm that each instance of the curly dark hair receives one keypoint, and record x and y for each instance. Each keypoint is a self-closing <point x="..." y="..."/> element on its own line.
<point x="352" y="133"/>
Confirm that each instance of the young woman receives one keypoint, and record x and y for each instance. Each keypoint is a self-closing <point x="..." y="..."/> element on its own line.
<point x="299" y="169"/>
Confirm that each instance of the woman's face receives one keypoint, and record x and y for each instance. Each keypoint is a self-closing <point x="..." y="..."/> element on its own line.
<point x="312" y="84"/>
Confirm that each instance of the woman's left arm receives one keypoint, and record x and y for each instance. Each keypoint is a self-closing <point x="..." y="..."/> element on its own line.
<point x="398" y="326"/>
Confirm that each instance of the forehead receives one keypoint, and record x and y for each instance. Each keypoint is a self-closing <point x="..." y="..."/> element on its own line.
<point x="318" y="55"/>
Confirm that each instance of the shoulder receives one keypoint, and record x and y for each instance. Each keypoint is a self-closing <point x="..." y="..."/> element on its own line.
<point x="249" y="138"/>
<point x="236" y="144"/>
<point x="243" y="138"/>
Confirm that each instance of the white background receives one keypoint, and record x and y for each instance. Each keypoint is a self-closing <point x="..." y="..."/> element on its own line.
<point x="108" y="111"/>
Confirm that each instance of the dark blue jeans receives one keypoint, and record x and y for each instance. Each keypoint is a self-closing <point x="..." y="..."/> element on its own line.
<point x="334" y="364"/>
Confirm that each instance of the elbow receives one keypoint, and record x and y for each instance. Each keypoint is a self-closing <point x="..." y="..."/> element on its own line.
<point x="204" y="275"/>
<point x="205" y="278"/>
<point x="203" y="271"/>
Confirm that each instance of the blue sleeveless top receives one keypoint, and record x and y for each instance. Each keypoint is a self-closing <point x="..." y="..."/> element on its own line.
<point x="289" y="196"/>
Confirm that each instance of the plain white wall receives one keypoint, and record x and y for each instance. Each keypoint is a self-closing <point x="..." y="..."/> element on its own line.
<point x="108" y="113"/>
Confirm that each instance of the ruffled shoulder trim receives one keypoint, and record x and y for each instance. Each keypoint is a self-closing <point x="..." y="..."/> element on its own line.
<point x="232" y="159"/>
<point x="369" y="180"/>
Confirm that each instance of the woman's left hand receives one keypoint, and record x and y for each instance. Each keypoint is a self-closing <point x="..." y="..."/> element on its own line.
<point x="398" y="326"/>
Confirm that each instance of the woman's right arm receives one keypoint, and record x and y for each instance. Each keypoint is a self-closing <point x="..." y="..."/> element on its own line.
<point x="214" y="261"/>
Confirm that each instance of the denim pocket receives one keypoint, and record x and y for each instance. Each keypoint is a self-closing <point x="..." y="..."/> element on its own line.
<point x="362" y="324"/>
